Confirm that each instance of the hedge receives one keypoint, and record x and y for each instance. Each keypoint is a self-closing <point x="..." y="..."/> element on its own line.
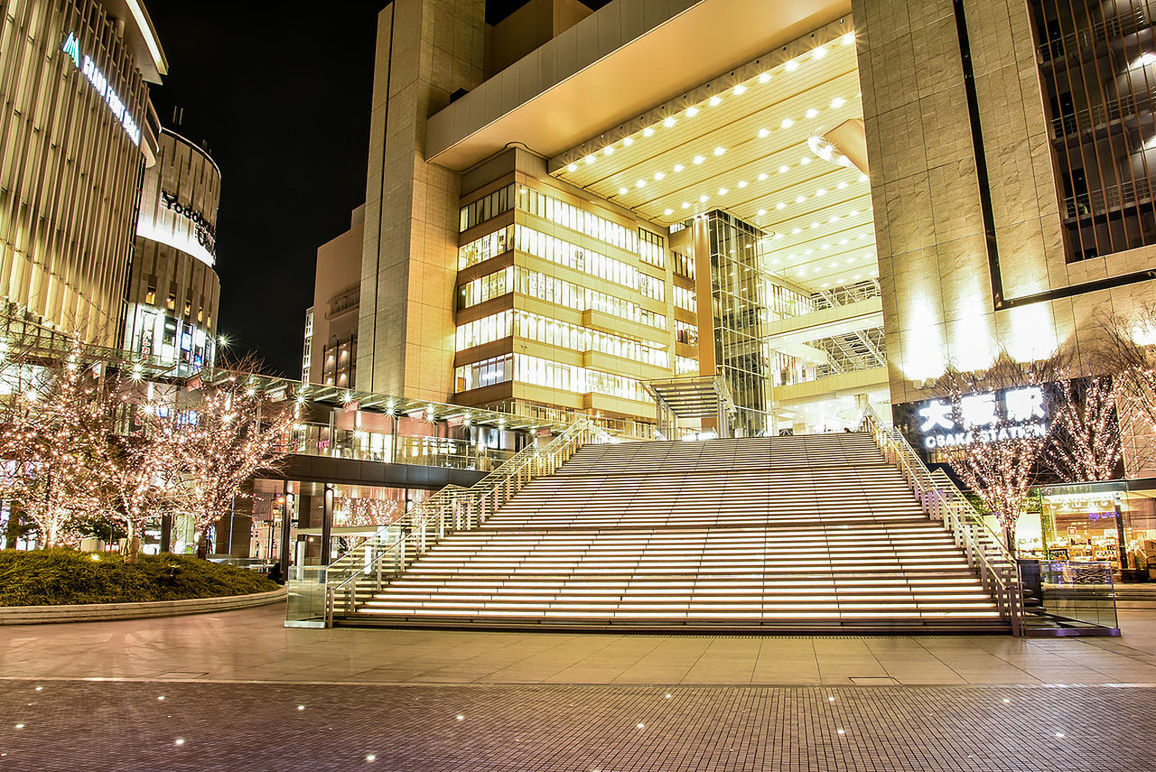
<point x="62" y="576"/>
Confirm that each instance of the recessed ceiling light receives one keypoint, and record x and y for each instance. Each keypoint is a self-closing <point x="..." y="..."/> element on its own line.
<point x="659" y="175"/>
<point x="849" y="38"/>
<point x="791" y="66"/>
<point x="821" y="192"/>
<point x="853" y="213"/>
<point x="796" y="231"/>
<point x="699" y="159"/>
<point x="742" y="183"/>
<point x="762" y="177"/>
<point x="719" y="150"/>
<point x="761" y="212"/>
<point x="833" y="218"/>
<point x="622" y="191"/>
<point x="787" y="123"/>
<point x="723" y="191"/>
<point x="814" y="225"/>
<point x="668" y="212"/>
<point x="778" y="235"/>
<point x="819" y="53"/>
<point x="640" y="184"/>
<point x="808" y="251"/>
<point x="691" y="112"/>
<point x="628" y="141"/>
<point x="589" y="160"/>
<point x="780" y="205"/>
<point x="609" y="150"/>
<point x="826" y="284"/>
<point x="804" y="161"/>
<point x="765" y="78"/>
<point x="764" y="133"/>
<point x="862" y="177"/>
<point x="703" y="198"/>
<point x="669" y="122"/>
<point x="812" y="113"/>
<point x="648" y="132"/>
<point x="784" y="169"/>
<point x="740" y="90"/>
<point x="838" y="102"/>
<point x="842" y="184"/>
<point x="572" y="168"/>
<point x="679" y="167"/>
<point x="844" y="242"/>
<point x="800" y="199"/>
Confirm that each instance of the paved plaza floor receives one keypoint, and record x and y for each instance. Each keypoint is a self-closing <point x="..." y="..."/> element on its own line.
<point x="242" y="692"/>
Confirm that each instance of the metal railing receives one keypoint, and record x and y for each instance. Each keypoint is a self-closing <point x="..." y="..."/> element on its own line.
<point x="942" y="500"/>
<point x="388" y="553"/>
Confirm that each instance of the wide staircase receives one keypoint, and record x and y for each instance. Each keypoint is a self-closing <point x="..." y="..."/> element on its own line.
<point x="807" y="533"/>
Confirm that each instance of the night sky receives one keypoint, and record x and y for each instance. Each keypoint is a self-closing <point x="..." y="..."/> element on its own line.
<point x="279" y="91"/>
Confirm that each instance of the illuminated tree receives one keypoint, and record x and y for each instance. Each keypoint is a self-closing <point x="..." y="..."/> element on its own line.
<point x="348" y="511"/>
<point x="228" y="432"/>
<point x="1130" y="356"/>
<point x="1001" y="411"/>
<point x="1085" y="443"/>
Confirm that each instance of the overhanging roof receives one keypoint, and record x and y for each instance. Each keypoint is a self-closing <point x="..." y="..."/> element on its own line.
<point x="614" y="65"/>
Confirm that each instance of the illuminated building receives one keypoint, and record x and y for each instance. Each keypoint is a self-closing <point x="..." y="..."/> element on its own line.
<point x="821" y="204"/>
<point x="330" y="356"/>
<point x="173" y="291"/>
<point x="76" y="134"/>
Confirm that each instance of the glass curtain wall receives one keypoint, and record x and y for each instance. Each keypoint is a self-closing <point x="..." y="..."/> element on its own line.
<point x="739" y="307"/>
<point x="1097" y="63"/>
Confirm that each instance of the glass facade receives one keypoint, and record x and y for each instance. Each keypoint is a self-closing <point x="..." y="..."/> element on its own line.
<point x="571" y="337"/>
<point x="1097" y="64"/>
<point x="738" y="301"/>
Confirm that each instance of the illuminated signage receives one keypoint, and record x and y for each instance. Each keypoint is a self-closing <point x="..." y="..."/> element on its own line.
<point x="99" y="82"/>
<point x="988" y="417"/>
<point x="206" y="234"/>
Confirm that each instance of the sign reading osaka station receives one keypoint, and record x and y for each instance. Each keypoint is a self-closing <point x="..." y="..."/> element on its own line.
<point x="987" y="417"/>
<point x="99" y="82"/>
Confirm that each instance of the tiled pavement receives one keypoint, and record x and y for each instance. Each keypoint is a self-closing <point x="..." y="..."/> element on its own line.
<point x="71" y="725"/>
<point x="232" y="684"/>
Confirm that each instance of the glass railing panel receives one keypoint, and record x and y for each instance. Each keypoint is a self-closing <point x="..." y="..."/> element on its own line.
<point x="1070" y="593"/>
<point x="306" y="602"/>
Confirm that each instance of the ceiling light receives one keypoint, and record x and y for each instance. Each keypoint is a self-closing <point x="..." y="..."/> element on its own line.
<point x="788" y="123"/>
<point x="843" y="242"/>
<point x="833" y="218"/>
<point x="686" y="205"/>
<point x="862" y="177"/>
<point x="853" y="213"/>
<point x="828" y="284"/>
<point x="778" y="235"/>
<point x="764" y="133"/>
<point x="780" y="205"/>
<point x="814" y="225"/>
<point x="825" y="246"/>
<point x="648" y="132"/>
<point x="669" y="122"/>
<point x="719" y="150"/>
<point x="742" y="183"/>
<point x="819" y="53"/>
<point x="659" y="176"/>
<point x="640" y="184"/>
<point x="784" y="169"/>
<point x="740" y="90"/>
<point x="714" y="101"/>
<point x="609" y="150"/>
<point x="572" y="168"/>
<point x="838" y="102"/>
<point x="703" y="198"/>
<point x="691" y="112"/>
<point x="1147" y="58"/>
<point x="762" y="177"/>
<point x="800" y="199"/>
<point x="699" y="159"/>
<point x="589" y="160"/>
<point x="668" y="212"/>
<point x="812" y="113"/>
<point x="849" y="38"/>
<point x="842" y="184"/>
<point x="723" y="191"/>
<point x="765" y="77"/>
<point x="808" y="251"/>
<point x="821" y="192"/>
<point x="761" y="212"/>
<point x="628" y="141"/>
<point x="622" y="191"/>
<point x="804" y="160"/>
<point x="791" y="66"/>
<point x="796" y="231"/>
<point x="679" y="167"/>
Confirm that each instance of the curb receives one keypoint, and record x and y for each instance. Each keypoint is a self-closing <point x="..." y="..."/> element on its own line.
<point x="104" y="612"/>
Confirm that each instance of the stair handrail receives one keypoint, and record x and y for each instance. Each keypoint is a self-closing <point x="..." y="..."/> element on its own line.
<point x="941" y="499"/>
<point x="452" y="508"/>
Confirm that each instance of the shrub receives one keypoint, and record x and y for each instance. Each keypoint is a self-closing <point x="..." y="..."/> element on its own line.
<point x="62" y="576"/>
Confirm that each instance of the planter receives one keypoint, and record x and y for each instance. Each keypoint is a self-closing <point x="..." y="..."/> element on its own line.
<point x="103" y="612"/>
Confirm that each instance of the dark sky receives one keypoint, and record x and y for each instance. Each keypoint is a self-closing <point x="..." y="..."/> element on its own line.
<point x="280" y="92"/>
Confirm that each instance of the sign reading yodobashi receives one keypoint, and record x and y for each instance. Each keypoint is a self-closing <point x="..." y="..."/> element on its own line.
<point x="992" y="416"/>
<point x="99" y="82"/>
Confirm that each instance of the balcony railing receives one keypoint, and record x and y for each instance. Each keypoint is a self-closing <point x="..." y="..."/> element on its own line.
<point x="1098" y="202"/>
<point x="1102" y="114"/>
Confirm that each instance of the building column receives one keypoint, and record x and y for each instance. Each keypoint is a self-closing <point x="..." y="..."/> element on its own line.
<point x="326" y="523"/>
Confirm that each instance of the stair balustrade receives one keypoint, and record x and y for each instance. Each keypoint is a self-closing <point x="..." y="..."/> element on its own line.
<point x="389" y="552"/>
<point x="941" y="499"/>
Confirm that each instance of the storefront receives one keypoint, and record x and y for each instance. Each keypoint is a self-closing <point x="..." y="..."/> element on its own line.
<point x="1111" y="521"/>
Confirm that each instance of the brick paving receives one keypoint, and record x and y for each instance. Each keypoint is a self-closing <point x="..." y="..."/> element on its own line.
<point x="123" y="725"/>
